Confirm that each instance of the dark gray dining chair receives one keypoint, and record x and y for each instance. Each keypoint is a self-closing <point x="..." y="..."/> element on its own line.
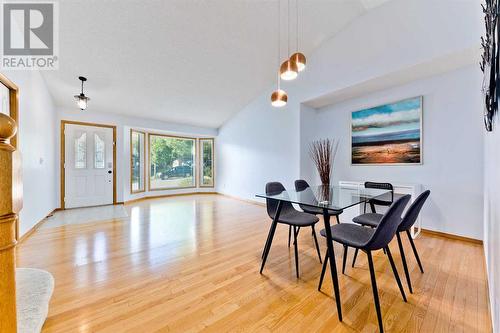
<point x="371" y="239"/>
<point x="384" y="200"/>
<point x="409" y="219"/>
<point x="302" y="185"/>
<point x="286" y="215"/>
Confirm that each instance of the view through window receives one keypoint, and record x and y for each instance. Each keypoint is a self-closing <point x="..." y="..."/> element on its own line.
<point x="137" y="166"/>
<point x="207" y="162"/>
<point x="171" y="162"/>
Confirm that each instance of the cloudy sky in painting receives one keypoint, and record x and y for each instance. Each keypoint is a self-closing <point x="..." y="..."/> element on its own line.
<point x="396" y="117"/>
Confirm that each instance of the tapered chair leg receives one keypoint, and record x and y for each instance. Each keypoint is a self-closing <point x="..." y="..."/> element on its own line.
<point x="296" y="250"/>
<point x="289" y="234"/>
<point x="355" y="256"/>
<point x="375" y="292"/>
<point x="316" y="243"/>
<point x="403" y="258"/>
<point x="296" y="230"/>
<point x="415" y="250"/>
<point x="323" y="271"/>
<point x="344" y="260"/>
<point x="396" y="275"/>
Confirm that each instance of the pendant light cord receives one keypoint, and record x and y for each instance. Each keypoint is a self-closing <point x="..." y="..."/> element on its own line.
<point x="82" y="87"/>
<point x="297" y="23"/>
<point x="279" y="41"/>
<point x="288" y="26"/>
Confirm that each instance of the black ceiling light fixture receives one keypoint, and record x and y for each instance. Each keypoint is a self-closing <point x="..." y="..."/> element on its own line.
<point x="82" y="100"/>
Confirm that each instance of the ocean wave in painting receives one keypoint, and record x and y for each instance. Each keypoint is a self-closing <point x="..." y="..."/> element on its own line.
<point x="384" y="138"/>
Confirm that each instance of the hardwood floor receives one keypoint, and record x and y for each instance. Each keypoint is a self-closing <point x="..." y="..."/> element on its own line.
<point x="191" y="263"/>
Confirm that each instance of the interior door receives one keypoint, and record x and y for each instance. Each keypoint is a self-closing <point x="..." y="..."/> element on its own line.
<point x="88" y="166"/>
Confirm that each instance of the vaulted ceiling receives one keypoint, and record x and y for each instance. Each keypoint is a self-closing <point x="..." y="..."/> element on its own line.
<point x="185" y="61"/>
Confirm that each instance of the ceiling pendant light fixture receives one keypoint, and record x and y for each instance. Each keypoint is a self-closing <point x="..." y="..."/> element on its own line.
<point x="288" y="69"/>
<point x="279" y="97"/>
<point x="298" y="57"/>
<point x="82" y="100"/>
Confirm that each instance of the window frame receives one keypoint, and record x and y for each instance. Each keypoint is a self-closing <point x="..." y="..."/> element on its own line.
<point x="195" y="157"/>
<point x="132" y="131"/>
<point x="200" y="162"/>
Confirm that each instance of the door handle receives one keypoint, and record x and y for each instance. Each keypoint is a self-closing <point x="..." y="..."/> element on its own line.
<point x="110" y="172"/>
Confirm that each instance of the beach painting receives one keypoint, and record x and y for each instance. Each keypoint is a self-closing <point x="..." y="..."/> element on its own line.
<point x="388" y="134"/>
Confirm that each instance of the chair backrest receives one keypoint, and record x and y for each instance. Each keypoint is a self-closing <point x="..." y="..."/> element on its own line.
<point x="381" y="186"/>
<point x="301" y="185"/>
<point x="413" y="211"/>
<point x="272" y="205"/>
<point x="388" y="225"/>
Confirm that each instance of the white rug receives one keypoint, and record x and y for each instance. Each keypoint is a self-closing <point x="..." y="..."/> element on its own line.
<point x="34" y="288"/>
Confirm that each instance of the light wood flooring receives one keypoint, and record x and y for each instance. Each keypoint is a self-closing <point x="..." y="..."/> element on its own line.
<point x="191" y="263"/>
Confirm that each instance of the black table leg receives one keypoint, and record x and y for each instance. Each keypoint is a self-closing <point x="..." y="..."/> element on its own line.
<point x="331" y="257"/>
<point x="271" y="235"/>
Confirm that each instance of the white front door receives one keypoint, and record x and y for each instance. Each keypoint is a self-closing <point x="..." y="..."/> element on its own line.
<point x="88" y="165"/>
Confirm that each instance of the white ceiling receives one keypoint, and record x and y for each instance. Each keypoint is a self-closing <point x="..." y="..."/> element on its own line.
<point x="185" y="61"/>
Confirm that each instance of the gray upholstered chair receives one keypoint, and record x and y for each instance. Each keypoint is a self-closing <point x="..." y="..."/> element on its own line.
<point x="302" y="185"/>
<point x="371" y="239"/>
<point x="409" y="219"/>
<point x="287" y="215"/>
<point x="384" y="200"/>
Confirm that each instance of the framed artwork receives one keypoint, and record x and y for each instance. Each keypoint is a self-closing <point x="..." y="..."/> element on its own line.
<point x="388" y="134"/>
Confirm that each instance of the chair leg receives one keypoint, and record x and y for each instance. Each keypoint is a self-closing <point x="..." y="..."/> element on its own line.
<point x="316" y="243"/>
<point x="297" y="232"/>
<point x="344" y="260"/>
<point x="375" y="292"/>
<point x="355" y="256"/>
<point x="296" y="250"/>
<point x="323" y="271"/>
<point x="403" y="258"/>
<point x="396" y="275"/>
<point x="415" y="250"/>
<point x="289" y="234"/>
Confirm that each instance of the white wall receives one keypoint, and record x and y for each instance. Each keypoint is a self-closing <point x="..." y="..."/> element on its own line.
<point x="492" y="219"/>
<point x="37" y="143"/>
<point x="452" y="148"/>
<point x="123" y="125"/>
<point x="262" y="143"/>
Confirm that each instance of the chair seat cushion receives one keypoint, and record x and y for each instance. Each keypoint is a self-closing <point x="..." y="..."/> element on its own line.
<point x="319" y="211"/>
<point x="368" y="219"/>
<point x="294" y="217"/>
<point x="350" y="234"/>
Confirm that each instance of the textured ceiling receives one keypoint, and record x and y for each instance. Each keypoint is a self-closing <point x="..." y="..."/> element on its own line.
<point x="184" y="61"/>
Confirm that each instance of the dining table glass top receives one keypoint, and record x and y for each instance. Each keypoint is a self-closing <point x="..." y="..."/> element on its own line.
<point x="329" y="197"/>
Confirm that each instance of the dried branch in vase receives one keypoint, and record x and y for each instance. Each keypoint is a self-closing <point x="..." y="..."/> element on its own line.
<point x="323" y="153"/>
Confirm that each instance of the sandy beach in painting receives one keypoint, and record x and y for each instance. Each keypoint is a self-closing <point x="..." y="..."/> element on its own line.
<point x="402" y="152"/>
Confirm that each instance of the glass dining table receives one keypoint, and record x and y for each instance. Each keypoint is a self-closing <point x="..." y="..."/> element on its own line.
<point x="328" y="199"/>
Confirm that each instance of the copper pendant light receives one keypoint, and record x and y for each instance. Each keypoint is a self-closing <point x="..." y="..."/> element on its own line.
<point x="288" y="69"/>
<point x="279" y="98"/>
<point x="298" y="57"/>
<point x="300" y="60"/>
